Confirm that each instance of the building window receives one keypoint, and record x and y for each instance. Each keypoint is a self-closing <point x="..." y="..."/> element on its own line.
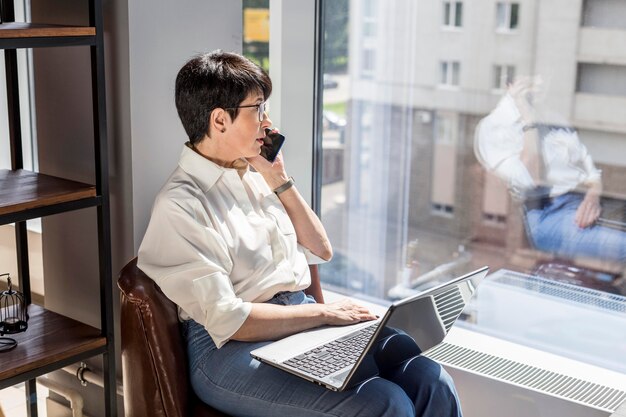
<point x="452" y="14"/>
<point x="496" y="219"/>
<point x="368" y="63"/>
<point x="507" y="16"/>
<point x="369" y="18"/>
<point x="442" y="209"/>
<point x="256" y="31"/>
<point x="607" y="14"/>
<point x="450" y="73"/>
<point x="601" y="79"/>
<point x="417" y="158"/>
<point x="503" y="75"/>
<point x="444" y="163"/>
<point x="446" y="128"/>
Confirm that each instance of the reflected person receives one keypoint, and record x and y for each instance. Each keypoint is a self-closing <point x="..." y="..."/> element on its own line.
<point x="550" y="170"/>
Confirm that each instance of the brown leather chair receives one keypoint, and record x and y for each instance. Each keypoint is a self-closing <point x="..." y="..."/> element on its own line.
<point x="154" y="360"/>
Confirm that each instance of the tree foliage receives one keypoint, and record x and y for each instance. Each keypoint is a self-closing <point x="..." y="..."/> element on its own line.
<point x="336" y="36"/>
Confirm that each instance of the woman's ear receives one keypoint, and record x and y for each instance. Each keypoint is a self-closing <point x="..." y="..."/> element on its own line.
<point x="218" y="120"/>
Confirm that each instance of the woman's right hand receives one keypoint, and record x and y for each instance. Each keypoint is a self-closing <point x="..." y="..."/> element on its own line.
<point x="346" y="312"/>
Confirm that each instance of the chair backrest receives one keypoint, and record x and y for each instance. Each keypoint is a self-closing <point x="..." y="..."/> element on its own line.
<point x="154" y="360"/>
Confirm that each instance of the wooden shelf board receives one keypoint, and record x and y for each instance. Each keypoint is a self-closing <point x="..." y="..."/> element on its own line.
<point x="37" y="30"/>
<point x="22" y="190"/>
<point x="50" y="338"/>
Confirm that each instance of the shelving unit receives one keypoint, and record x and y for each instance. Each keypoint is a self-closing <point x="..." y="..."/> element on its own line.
<point x="53" y="341"/>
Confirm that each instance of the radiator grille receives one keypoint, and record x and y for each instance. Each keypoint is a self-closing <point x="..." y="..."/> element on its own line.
<point x="589" y="393"/>
<point x="450" y="305"/>
<point x="600" y="299"/>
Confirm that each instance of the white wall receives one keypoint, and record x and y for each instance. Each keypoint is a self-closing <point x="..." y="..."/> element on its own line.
<point x="292" y="41"/>
<point x="163" y="35"/>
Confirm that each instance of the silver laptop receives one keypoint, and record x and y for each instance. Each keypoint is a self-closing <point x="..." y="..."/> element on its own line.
<point x="337" y="357"/>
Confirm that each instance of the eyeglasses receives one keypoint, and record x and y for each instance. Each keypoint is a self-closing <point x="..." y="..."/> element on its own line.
<point x="261" y="108"/>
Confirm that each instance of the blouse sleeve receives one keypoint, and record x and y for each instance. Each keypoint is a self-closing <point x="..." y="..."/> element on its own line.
<point x="498" y="145"/>
<point x="191" y="264"/>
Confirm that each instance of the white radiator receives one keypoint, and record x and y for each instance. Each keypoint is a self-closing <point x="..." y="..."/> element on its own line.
<point x="532" y="348"/>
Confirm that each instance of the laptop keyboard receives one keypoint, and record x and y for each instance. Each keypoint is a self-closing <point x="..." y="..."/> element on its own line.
<point x="333" y="356"/>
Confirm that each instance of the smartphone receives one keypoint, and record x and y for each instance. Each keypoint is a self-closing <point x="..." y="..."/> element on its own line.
<point x="272" y="142"/>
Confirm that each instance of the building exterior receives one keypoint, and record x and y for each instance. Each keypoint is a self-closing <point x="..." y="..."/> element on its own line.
<point x="422" y="75"/>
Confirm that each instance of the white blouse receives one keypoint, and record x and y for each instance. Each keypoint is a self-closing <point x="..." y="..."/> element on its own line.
<point x="217" y="242"/>
<point x="499" y="144"/>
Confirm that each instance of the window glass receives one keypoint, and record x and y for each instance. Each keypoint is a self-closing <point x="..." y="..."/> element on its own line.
<point x="520" y="166"/>
<point x="256" y="31"/>
<point x="453" y="13"/>
<point x="501" y="15"/>
<point x="503" y="76"/>
<point x="458" y="17"/>
<point x="514" y="17"/>
<point x="507" y="15"/>
<point x="446" y="13"/>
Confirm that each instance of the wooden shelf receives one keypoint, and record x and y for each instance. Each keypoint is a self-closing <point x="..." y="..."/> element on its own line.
<point x="21" y="191"/>
<point x="49" y="340"/>
<point x="15" y="35"/>
<point x="36" y="30"/>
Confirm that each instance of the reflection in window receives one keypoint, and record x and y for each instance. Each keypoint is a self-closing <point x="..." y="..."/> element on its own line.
<point x="507" y="15"/>
<point x="443" y="185"/>
<point x="413" y="196"/>
<point x="401" y="163"/>
<point x="453" y="14"/>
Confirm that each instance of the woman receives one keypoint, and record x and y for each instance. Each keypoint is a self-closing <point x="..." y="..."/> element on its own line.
<point x="231" y="247"/>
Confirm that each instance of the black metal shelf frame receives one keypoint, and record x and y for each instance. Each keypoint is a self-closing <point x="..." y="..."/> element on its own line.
<point x="101" y="201"/>
<point x="43" y="42"/>
<point x="50" y="210"/>
<point x="31" y="375"/>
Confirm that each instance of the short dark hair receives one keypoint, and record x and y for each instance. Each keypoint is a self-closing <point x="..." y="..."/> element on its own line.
<point x="215" y="80"/>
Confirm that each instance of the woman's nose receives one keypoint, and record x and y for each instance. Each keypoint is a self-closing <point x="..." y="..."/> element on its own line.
<point x="267" y="122"/>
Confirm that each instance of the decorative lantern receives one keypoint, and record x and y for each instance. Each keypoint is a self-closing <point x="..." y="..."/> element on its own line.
<point x="13" y="316"/>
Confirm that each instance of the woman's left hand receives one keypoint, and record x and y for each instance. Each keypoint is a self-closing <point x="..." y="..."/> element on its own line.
<point x="589" y="210"/>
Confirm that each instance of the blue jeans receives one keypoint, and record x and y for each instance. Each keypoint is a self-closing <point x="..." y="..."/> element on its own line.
<point x="230" y="380"/>
<point x="553" y="229"/>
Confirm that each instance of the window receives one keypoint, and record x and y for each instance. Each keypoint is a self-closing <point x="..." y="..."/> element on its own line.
<point x="256" y="31"/>
<point x="453" y="14"/>
<point x="602" y="79"/>
<point x="405" y="160"/>
<point x="368" y="63"/>
<point x="495" y="204"/>
<point x="449" y="73"/>
<point x="503" y="75"/>
<point x="604" y="14"/>
<point x="442" y="209"/>
<point x="507" y="16"/>
<point x="369" y="19"/>
<point x="444" y="161"/>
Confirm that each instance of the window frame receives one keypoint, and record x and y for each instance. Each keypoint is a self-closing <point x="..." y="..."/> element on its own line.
<point x="508" y="13"/>
<point x="448" y="21"/>
<point x="508" y="70"/>
<point x="446" y="76"/>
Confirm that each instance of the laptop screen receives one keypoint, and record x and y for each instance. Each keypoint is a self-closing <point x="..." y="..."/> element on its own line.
<point x="428" y="317"/>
